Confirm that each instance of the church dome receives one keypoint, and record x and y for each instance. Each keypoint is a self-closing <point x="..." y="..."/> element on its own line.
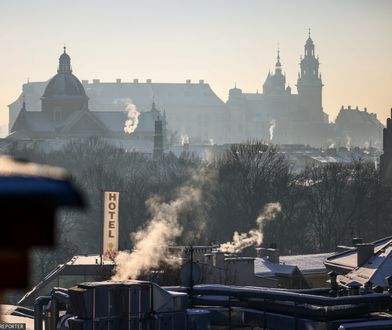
<point x="64" y="83"/>
<point x="64" y="94"/>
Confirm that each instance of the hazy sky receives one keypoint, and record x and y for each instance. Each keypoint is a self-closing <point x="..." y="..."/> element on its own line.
<point x="220" y="41"/>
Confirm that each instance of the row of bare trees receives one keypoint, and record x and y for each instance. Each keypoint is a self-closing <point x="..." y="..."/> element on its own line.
<point x="321" y="207"/>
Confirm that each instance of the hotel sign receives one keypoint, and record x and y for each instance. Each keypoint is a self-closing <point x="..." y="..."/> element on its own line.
<point x="110" y="223"/>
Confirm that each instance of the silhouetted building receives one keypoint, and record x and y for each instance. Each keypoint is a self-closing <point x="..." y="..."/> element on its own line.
<point x="278" y="115"/>
<point x="358" y="128"/>
<point x="386" y="158"/>
<point x="64" y="113"/>
<point x="67" y="107"/>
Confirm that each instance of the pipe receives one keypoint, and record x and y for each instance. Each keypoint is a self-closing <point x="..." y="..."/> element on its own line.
<point x="38" y="303"/>
<point x="270" y="294"/>
<point x="59" y="296"/>
<point x="290" y="308"/>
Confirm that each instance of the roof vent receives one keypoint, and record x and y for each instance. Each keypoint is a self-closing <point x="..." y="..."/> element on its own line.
<point x="135" y="81"/>
<point x="364" y="252"/>
<point x="96" y="81"/>
<point x="118" y="81"/>
<point x="188" y="81"/>
<point x="201" y="81"/>
<point x="148" y="81"/>
<point x="270" y="254"/>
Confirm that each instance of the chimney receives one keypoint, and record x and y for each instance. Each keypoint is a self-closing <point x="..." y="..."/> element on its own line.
<point x="96" y="81"/>
<point x="118" y="81"/>
<point x="271" y="254"/>
<point x="357" y="240"/>
<point x="201" y="81"/>
<point x="84" y="82"/>
<point x="148" y="81"/>
<point x="188" y="81"/>
<point x="218" y="259"/>
<point x="364" y="252"/>
<point x="135" y="81"/>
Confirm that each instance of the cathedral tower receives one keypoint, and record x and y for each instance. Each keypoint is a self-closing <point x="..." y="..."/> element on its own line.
<point x="310" y="86"/>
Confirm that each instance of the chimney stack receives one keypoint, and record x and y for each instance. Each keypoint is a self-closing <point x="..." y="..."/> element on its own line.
<point x="271" y="254"/>
<point x="364" y="252"/>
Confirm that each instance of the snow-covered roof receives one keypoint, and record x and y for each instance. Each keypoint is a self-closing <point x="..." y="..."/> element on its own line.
<point x="307" y="263"/>
<point x="264" y="267"/>
<point x="375" y="270"/>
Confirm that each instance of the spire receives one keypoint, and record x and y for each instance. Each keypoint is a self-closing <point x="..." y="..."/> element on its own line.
<point x="153" y="106"/>
<point x="309" y="46"/>
<point x="278" y="65"/>
<point x="64" y="62"/>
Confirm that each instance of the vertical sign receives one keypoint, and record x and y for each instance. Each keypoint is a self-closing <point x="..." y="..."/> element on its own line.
<point x="110" y="223"/>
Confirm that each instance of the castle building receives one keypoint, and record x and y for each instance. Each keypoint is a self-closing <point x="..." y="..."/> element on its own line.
<point x="67" y="107"/>
<point x="355" y="127"/>
<point x="278" y="115"/>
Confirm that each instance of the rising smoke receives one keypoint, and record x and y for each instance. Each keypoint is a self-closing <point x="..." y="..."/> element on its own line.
<point x="184" y="139"/>
<point x="254" y="236"/>
<point x="348" y="142"/>
<point x="165" y="226"/>
<point x="132" y="115"/>
<point x="271" y="129"/>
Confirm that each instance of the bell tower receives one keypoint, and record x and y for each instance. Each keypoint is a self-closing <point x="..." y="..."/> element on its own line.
<point x="310" y="86"/>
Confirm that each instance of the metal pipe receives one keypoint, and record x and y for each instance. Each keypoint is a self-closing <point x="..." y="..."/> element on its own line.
<point x="38" y="303"/>
<point x="324" y="313"/>
<point x="270" y="294"/>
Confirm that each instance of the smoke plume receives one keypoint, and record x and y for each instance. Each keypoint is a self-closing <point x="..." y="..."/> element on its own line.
<point x="164" y="227"/>
<point x="271" y="129"/>
<point x="254" y="236"/>
<point x="132" y="115"/>
<point x="184" y="139"/>
<point x="348" y="142"/>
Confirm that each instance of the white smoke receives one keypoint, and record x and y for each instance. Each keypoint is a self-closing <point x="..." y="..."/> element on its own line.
<point x="271" y="129"/>
<point x="132" y="115"/>
<point x="254" y="236"/>
<point x="211" y="142"/>
<point x="366" y="145"/>
<point x="184" y="139"/>
<point x="331" y="144"/>
<point x="348" y="142"/>
<point x="162" y="230"/>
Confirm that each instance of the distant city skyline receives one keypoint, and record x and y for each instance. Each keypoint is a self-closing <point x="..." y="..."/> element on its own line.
<point x="222" y="42"/>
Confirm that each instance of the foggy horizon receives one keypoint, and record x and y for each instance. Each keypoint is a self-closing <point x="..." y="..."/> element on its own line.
<point x="222" y="43"/>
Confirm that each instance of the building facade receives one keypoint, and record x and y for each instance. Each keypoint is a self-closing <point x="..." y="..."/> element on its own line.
<point x="64" y="112"/>
<point x="278" y="115"/>
<point x="66" y="106"/>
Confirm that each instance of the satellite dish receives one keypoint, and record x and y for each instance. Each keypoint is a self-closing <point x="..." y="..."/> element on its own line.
<point x="190" y="274"/>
